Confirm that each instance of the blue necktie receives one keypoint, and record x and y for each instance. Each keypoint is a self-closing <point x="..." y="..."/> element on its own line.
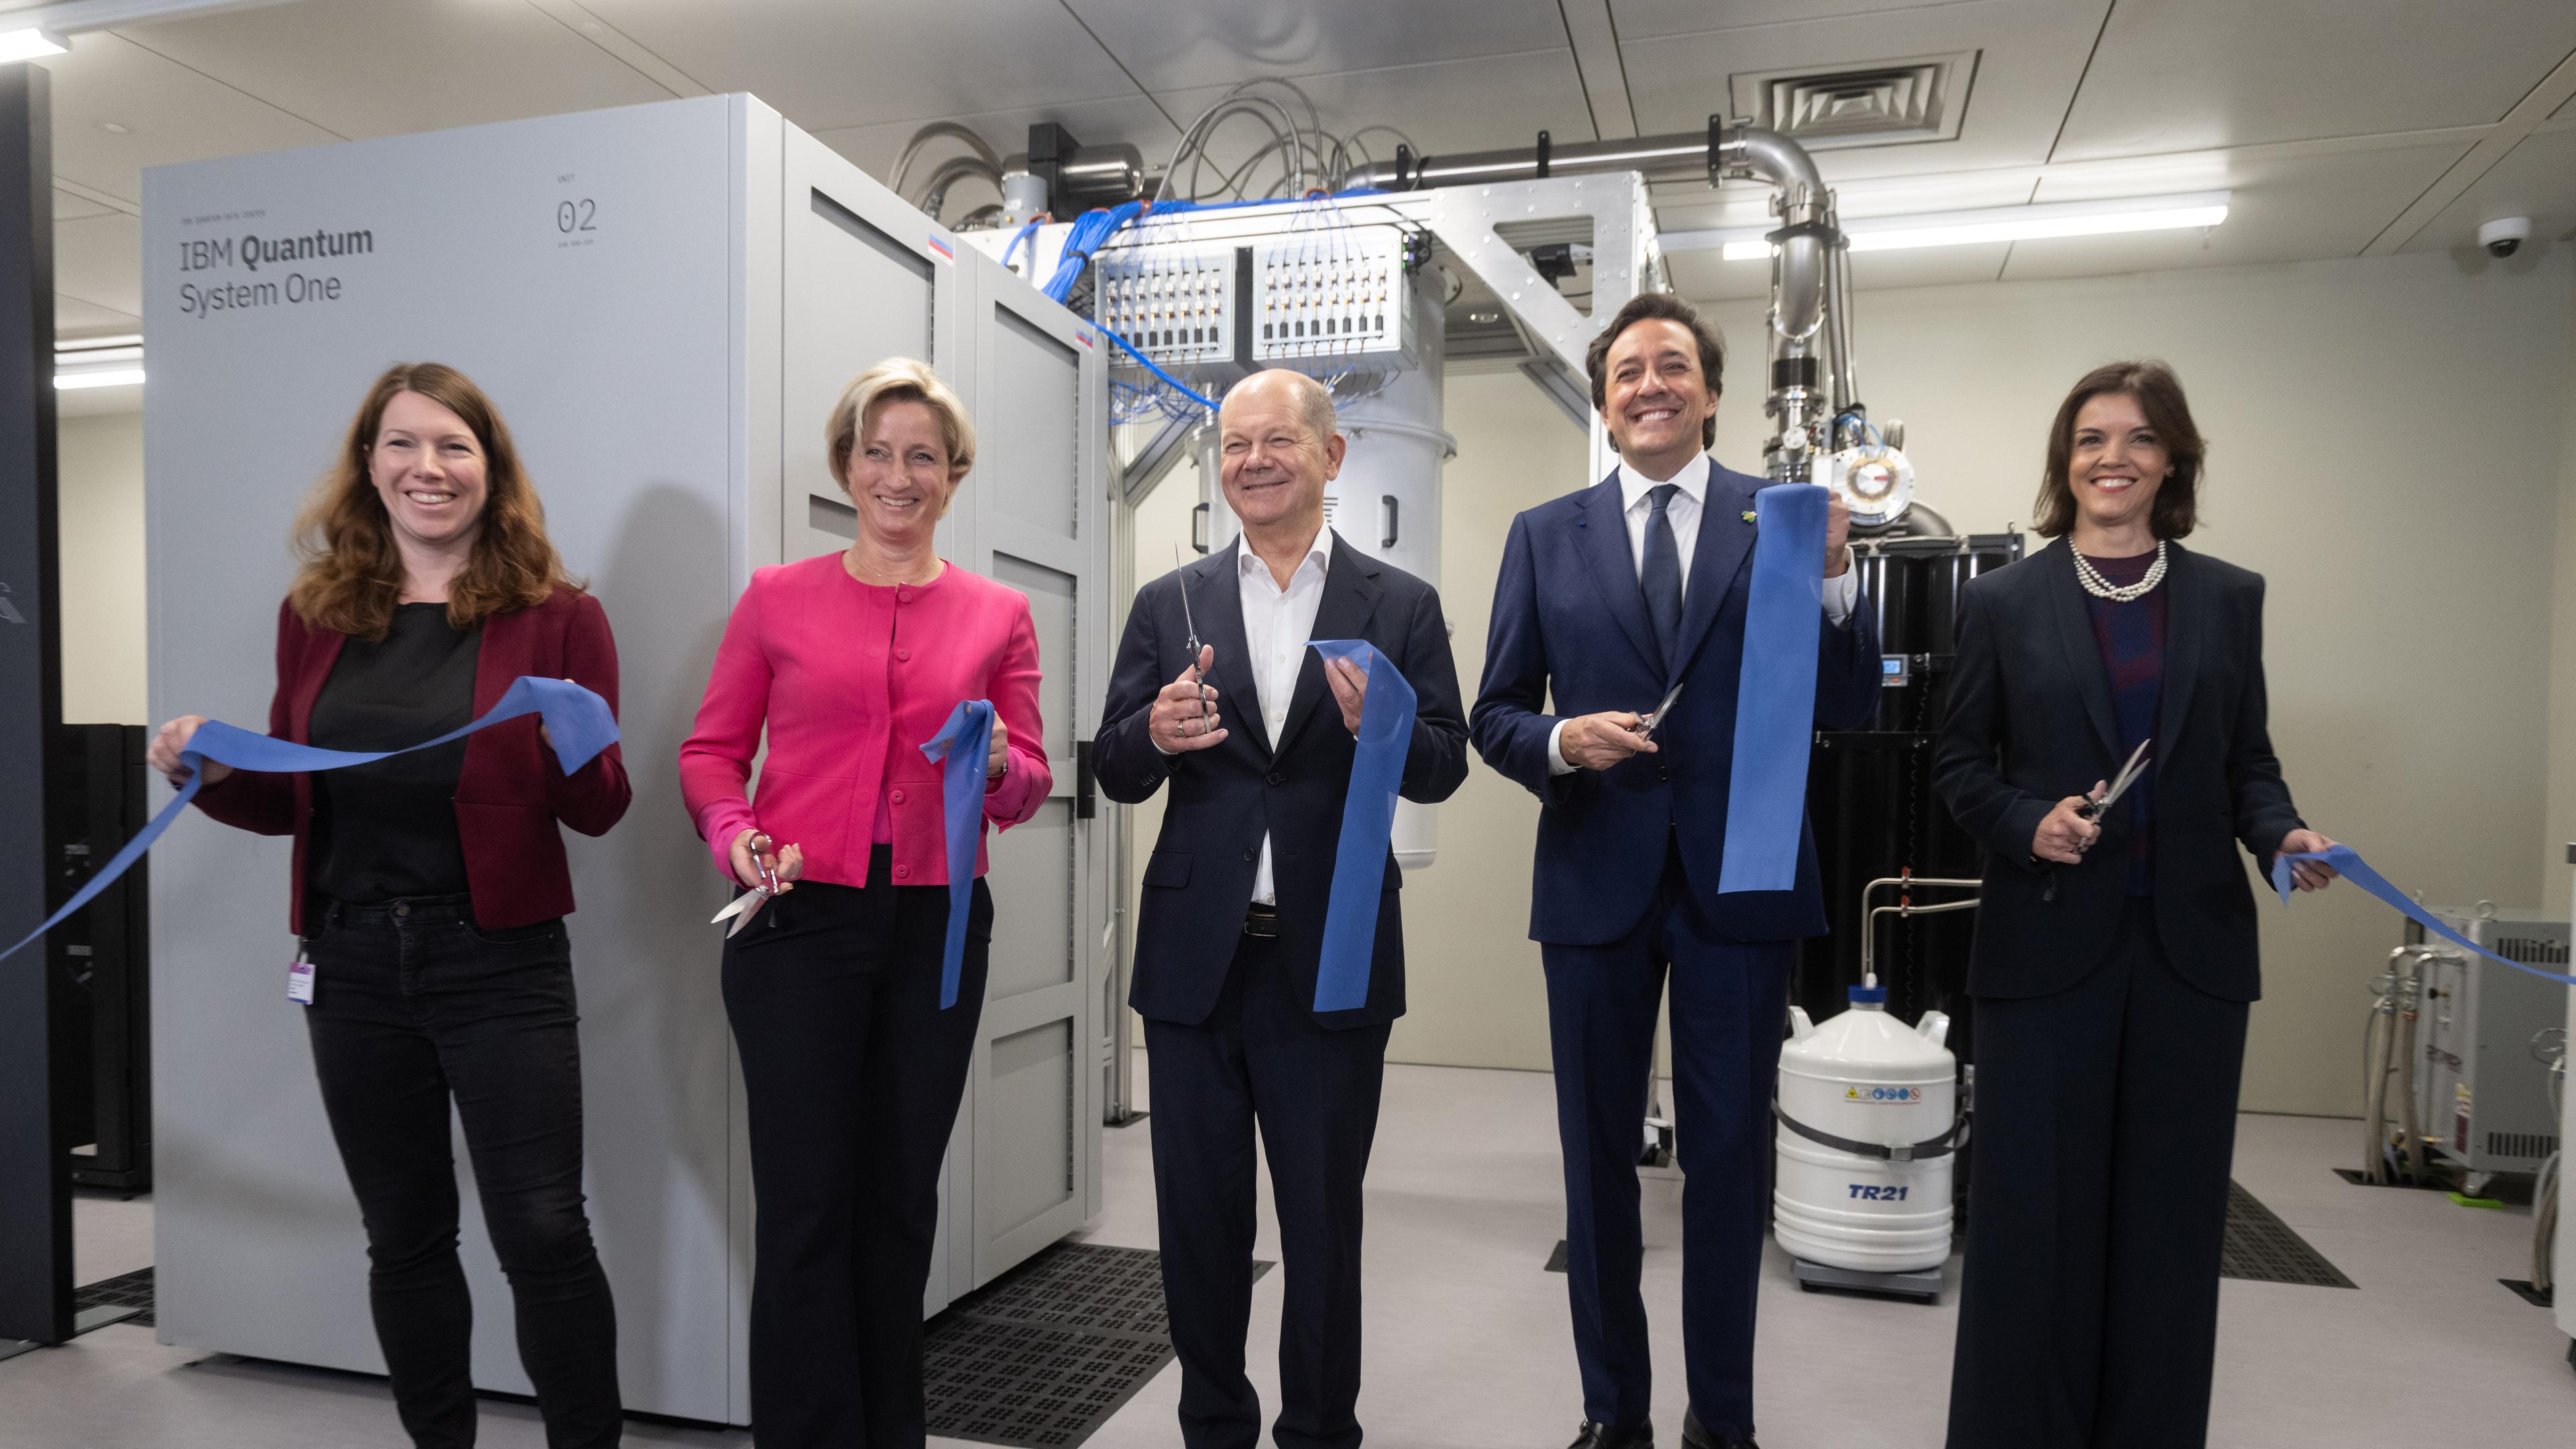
<point x="1662" y="576"/>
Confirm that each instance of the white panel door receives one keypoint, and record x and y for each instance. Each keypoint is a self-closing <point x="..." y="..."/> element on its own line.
<point x="1039" y="506"/>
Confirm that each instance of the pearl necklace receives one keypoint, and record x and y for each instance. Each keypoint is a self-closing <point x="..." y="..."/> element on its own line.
<point x="2102" y="588"/>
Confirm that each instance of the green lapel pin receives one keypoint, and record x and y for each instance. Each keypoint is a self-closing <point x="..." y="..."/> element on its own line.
<point x="1748" y="515"/>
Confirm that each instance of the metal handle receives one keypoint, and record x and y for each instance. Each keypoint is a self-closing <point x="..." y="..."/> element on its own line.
<point x="1387" y="502"/>
<point x="1086" y="799"/>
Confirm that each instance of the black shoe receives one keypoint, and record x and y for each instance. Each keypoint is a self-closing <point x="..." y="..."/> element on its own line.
<point x="1602" y="1436"/>
<point x="1695" y="1435"/>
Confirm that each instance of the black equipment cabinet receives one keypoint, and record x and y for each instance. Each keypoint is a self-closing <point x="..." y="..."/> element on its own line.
<point x="1869" y="793"/>
<point x="96" y="793"/>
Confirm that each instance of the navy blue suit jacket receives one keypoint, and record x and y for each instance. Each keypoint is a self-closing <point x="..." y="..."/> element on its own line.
<point x="1199" y="878"/>
<point x="1570" y="622"/>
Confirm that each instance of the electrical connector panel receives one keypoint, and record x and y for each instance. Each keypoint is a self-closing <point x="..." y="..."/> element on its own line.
<point x="1174" y="303"/>
<point x="1332" y="293"/>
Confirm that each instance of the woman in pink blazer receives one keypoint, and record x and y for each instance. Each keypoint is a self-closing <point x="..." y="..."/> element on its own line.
<point x="851" y="662"/>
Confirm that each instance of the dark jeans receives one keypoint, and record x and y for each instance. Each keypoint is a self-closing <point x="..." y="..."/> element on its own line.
<point x="853" y="1075"/>
<point x="1260" y="1056"/>
<point x="2106" y="1122"/>
<point x="413" y="1006"/>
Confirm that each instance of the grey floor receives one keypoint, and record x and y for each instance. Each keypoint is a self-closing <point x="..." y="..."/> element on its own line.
<point x="1467" y="1338"/>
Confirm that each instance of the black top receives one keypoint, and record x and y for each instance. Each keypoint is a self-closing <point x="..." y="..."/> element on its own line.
<point x="2032" y="720"/>
<point x="387" y="831"/>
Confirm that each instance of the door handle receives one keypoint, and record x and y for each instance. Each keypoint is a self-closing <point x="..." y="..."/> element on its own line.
<point x="1086" y="797"/>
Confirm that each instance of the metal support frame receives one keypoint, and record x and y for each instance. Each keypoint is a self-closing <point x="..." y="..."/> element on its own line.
<point x="35" y="1170"/>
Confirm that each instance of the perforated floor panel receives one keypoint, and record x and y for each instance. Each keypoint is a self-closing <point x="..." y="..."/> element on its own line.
<point x="126" y="1290"/>
<point x="2261" y="1248"/>
<point x="1042" y="1356"/>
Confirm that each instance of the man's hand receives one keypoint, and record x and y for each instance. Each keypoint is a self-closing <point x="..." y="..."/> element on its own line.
<point x="2064" y="836"/>
<point x="1837" y="535"/>
<point x="2308" y="875"/>
<point x="1184" y="714"/>
<point x="1598" y="741"/>
<point x="1350" y="690"/>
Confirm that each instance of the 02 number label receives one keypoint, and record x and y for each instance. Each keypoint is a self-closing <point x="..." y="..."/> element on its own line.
<point x="577" y="216"/>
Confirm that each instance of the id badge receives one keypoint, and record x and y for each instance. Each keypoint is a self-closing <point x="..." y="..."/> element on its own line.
<point x="299" y="980"/>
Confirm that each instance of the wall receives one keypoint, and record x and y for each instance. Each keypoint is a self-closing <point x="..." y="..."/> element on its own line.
<point x="2385" y="446"/>
<point x="101" y="542"/>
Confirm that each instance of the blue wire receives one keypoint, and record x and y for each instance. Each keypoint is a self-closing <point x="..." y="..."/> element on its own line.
<point x="1184" y="389"/>
<point x="1014" y="248"/>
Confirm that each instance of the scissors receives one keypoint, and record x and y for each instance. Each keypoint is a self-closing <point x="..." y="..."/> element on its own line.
<point x="748" y="904"/>
<point x="2096" y="809"/>
<point x="1646" y="725"/>
<point x="1207" y="721"/>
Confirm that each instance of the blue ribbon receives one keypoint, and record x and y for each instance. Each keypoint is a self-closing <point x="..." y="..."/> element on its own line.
<point x="967" y="742"/>
<point x="1775" y="694"/>
<point x="580" y="722"/>
<point x="2348" y="863"/>
<point x="1368" y="824"/>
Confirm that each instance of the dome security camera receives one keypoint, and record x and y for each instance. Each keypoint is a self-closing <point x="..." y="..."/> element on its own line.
<point x="2505" y="235"/>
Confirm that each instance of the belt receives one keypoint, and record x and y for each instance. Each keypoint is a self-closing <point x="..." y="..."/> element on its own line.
<point x="1261" y="920"/>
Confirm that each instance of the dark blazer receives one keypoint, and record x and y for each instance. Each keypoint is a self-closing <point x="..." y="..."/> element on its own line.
<point x="2030" y="723"/>
<point x="512" y="790"/>
<point x="1570" y="627"/>
<point x="1199" y="878"/>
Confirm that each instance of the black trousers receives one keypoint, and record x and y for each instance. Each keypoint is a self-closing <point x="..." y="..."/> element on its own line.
<point x="414" y="1008"/>
<point x="1259" y="1056"/>
<point x="853" y="1075"/>
<point x="1730" y="1008"/>
<point x="2106" y="1121"/>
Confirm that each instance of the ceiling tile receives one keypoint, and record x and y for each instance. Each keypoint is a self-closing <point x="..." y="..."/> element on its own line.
<point x="76" y="318"/>
<point x="833" y="64"/>
<point x="390" y="67"/>
<point x="1220" y="42"/>
<point x="1442" y="107"/>
<point x="99" y="259"/>
<point x="1640" y="19"/>
<point x="2176" y="75"/>
<point x="2284" y="208"/>
<point x="2537" y="179"/>
<point x="2031" y="52"/>
<point x="170" y="113"/>
<point x="875" y="149"/>
<point x="68" y="207"/>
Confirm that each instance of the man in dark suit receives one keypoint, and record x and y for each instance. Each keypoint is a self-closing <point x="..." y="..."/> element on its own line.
<point x="1607" y="598"/>
<point x="1256" y="736"/>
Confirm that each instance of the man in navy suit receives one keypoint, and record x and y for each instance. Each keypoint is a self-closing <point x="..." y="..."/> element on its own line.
<point x="1231" y="932"/>
<point x="1607" y="598"/>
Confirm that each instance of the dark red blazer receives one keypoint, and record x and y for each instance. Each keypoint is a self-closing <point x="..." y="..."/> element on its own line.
<point x="512" y="790"/>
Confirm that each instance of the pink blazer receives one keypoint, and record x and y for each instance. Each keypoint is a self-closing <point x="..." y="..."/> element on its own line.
<point x="850" y="680"/>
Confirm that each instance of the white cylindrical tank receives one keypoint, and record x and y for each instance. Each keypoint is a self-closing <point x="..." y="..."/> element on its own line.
<point x="1866" y="1081"/>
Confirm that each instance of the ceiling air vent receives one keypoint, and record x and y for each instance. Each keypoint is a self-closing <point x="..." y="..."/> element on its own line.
<point x="1883" y="104"/>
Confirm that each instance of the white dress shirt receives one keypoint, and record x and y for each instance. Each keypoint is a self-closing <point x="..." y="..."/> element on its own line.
<point x="1277" y="623"/>
<point x="1842" y="592"/>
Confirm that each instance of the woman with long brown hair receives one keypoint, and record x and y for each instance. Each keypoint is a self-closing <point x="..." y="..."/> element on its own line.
<point x="2115" y="957"/>
<point x="429" y="889"/>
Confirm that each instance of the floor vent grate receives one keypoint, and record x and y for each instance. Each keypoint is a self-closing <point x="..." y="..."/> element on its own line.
<point x="126" y="1290"/>
<point x="1042" y="1356"/>
<point x="2261" y="1248"/>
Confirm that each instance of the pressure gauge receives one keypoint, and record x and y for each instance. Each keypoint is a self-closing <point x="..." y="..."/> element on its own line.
<point x="1877" y="482"/>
